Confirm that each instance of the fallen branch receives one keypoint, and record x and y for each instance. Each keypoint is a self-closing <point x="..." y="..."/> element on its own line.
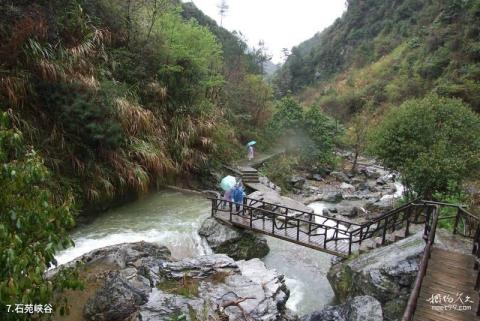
<point x="236" y="303"/>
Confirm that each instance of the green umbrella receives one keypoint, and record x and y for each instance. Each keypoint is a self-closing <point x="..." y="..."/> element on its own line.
<point x="251" y="143"/>
<point x="228" y="182"/>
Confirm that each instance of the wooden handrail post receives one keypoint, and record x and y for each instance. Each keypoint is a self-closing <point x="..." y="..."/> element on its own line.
<point x="286" y="223"/>
<point x="407" y="226"/>
<point x="384" y="235"/>
<point x="309" y="229"/>
<point x="325" y="238"/>
<point x="213" y="207"/>
<point x="251" y="219"/>
<point x="457" y="218"/>
<point x="350" y="244"/>
<point x="273" y="225"/>
<point x="298" y="229"/>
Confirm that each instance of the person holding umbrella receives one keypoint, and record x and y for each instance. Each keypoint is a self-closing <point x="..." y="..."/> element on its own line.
<point x="251" y="150"/>
<point x="238" y="195"/>
<point x="227" y="184"/>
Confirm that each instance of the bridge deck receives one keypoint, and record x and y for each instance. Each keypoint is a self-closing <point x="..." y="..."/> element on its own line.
<point x="448" y="274"/>
<point x="339" y="248"/>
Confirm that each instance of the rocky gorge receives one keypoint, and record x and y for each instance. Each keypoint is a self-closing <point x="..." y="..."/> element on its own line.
<point x="355" y="196"/>
<point x="140" y="281"/>
<point x="143" y="281"/>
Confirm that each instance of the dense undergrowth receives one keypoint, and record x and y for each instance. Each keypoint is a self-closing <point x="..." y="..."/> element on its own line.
<point x="102" y="99"/>
<point x="117" y="96"/>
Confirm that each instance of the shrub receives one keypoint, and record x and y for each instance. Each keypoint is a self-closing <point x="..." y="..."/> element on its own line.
<point x="32" y="228"/>
<point x="280" y="170"/>
<point x="84" y="115"/>
<point x="434" y="142"/>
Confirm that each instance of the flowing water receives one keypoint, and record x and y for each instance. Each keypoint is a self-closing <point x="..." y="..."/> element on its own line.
<point x="172" y="218"/>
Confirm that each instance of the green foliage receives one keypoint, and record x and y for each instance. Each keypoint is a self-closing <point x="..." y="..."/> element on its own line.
<point x="321" y="131"/>
<point x="287" y="118"/>
<point x="32" y="228"/>
<point x="434" y="142"/>
<point x="280" y="170"/>
<point x="120" y="95"/>
<point x="356" y="135"/>
<point x="85" y="116"/>
<point x="311" y="132"/>
<point x="116" y="96"/>
<point x="388" y="51"/>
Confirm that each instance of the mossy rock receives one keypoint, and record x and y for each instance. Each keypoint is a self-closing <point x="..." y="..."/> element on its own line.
<point x="236" y="243"/>
<point x="247" y="247"/>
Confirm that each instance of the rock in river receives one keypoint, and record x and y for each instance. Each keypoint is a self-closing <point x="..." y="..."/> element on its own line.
<point x="235" y="242"/>
<point x="360" y="308"/>
<point x="140" y="282"/>
<point x="385" y="273"/>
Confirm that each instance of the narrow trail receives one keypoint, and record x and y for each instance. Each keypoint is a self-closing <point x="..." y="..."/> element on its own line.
<point x="260" y="158"/>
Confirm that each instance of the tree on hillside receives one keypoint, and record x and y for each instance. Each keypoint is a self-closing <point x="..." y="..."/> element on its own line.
<point x="222" y="10"/>
<point x="261" y="56"/>
<point x="287" y="119"/>
<point x="321" y="131"/>
<point x="312" y="133"/>
<point x="434" y="142"/>
<point x="356" y="135"/>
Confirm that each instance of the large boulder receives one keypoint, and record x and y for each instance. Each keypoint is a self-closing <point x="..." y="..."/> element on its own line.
<point x="120" y="297"/>
<point x="382" y="205"/>
<point x="371" y="172"/>
<point x="360" y="308"/>
<point x="215" y="287"/>
<point x="297" y="181"/>
<point x="140" y="282"/>
<point x="340" y="176"/>
<point x="385" y="273"/>
<point x="236" y="243"/>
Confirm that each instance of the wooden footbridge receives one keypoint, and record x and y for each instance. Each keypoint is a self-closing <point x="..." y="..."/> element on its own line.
<point x="440" y="272"/>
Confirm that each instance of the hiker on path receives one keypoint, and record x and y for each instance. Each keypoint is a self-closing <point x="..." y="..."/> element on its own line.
<point x="251" y="152"/>
<point x="238" y="195"/>
<point x="227" y="197"/>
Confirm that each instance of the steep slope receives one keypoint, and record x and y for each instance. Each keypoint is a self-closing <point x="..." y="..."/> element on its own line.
<point x="117" y="96"/>
<point x="381" y="52"/>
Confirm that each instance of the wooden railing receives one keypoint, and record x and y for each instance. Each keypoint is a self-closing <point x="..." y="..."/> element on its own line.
<point x="465" y="224"/>
<point x="389" y="222"/>
<point x="283" y="218"/>
<point x="476" y="253"/>
<point x="431" y="221"/>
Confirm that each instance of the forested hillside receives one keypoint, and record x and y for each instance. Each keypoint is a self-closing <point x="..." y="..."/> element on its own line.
<point x="104" y="99"/>
<point x="116" y="96"/>
<point x="382" y="52"/>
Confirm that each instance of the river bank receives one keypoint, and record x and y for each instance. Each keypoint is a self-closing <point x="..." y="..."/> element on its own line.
<point x="172" y="218"/>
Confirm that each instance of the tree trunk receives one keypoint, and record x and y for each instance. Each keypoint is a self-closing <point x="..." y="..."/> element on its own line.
<point x="355" y="159"/>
